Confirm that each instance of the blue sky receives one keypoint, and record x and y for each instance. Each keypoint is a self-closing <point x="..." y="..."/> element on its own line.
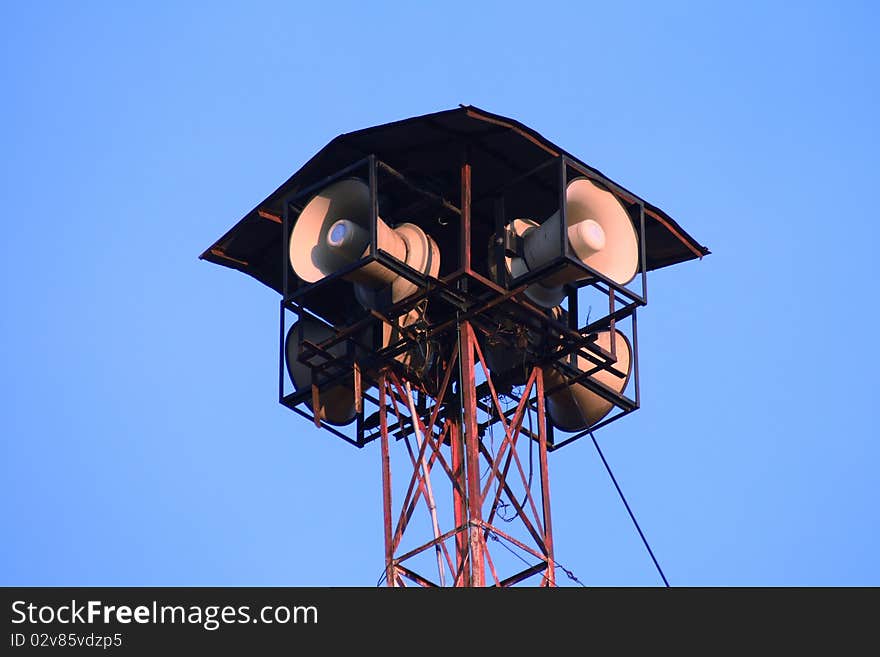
<point x="142" y="440"/>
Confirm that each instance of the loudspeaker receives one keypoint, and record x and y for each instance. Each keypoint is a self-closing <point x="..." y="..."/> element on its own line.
<point x="333" y="231"/>
<point x="576" y="407"/>
<point x="337" y="403"/>
<point x="600" y="233"/>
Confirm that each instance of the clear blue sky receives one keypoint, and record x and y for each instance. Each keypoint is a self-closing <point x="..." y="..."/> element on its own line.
<point x="142" y="440"/>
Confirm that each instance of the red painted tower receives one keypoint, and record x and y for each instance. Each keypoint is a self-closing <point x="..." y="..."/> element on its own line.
<point x="461" y="289"/>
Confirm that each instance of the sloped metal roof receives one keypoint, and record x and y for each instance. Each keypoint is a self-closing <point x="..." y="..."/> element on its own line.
<point x="429" y="149"/>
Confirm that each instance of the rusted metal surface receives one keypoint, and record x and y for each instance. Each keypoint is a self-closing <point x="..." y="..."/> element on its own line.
<point x="477" y="114"/>
<point x="467" y="340"/>
<point x="270" y="216"/>
<point x="545" y="480"/>
<point x="358" y="390"/>
<point x="316" y="404"/>
<point x="459" y="501"/>
<point x="676" y="230"/>
<point x="465" y="243"/>
<point x="468" y="559"/>
<point x="217" y="253"/>
<point x="390" y="575"/>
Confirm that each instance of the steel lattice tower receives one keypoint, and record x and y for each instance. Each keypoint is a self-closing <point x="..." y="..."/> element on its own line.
<point x="479" y="360"/>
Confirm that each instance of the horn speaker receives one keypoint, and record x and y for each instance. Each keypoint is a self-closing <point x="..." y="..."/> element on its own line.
<point x="576" y="407"/>
<point x="333" y="231"/>
<point x="336" y="403"/>
<point x="599" y="232"/>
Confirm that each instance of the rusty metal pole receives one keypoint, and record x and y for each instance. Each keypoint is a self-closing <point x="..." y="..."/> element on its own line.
<point x="472" y="455"/>
<point x="468" y="418"/>
<point x="459" y="507"/>
<point x="465" y="243"/>
<point x="390" y="575"/>
<point x="472" y="563"/>
<point x="545" y="480"/>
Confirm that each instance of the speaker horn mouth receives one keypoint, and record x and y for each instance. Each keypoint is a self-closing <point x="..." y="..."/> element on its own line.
<point x="333" y="231"/>
<point x="337" y="405"/>
<point x="576" y="407"/>
<point x="599" y="231"/>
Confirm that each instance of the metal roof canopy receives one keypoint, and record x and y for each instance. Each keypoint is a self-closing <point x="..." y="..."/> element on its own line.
<point x="429" y="149"/>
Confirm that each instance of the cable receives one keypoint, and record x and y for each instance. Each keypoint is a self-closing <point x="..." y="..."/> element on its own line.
<point x="497" y="539"/>
<point x="570" y="574"/>
<point x="491" y="423"/>
<point x="635" y="522"/>
<point x="502" y="505"/>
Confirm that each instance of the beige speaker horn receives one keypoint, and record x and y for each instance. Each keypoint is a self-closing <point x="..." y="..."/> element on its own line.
<point x="333" y="231"/>
<point x="600" y="233"/>
<point x="576" y="407"/>
<point x="336" y="403"/>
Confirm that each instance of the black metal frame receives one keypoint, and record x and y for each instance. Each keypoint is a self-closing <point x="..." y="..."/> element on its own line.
<point x="600" y="359"/>
<point x="470" y="295"/>
<point x="295" y="301"/>
<point x="566" y="257"/>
